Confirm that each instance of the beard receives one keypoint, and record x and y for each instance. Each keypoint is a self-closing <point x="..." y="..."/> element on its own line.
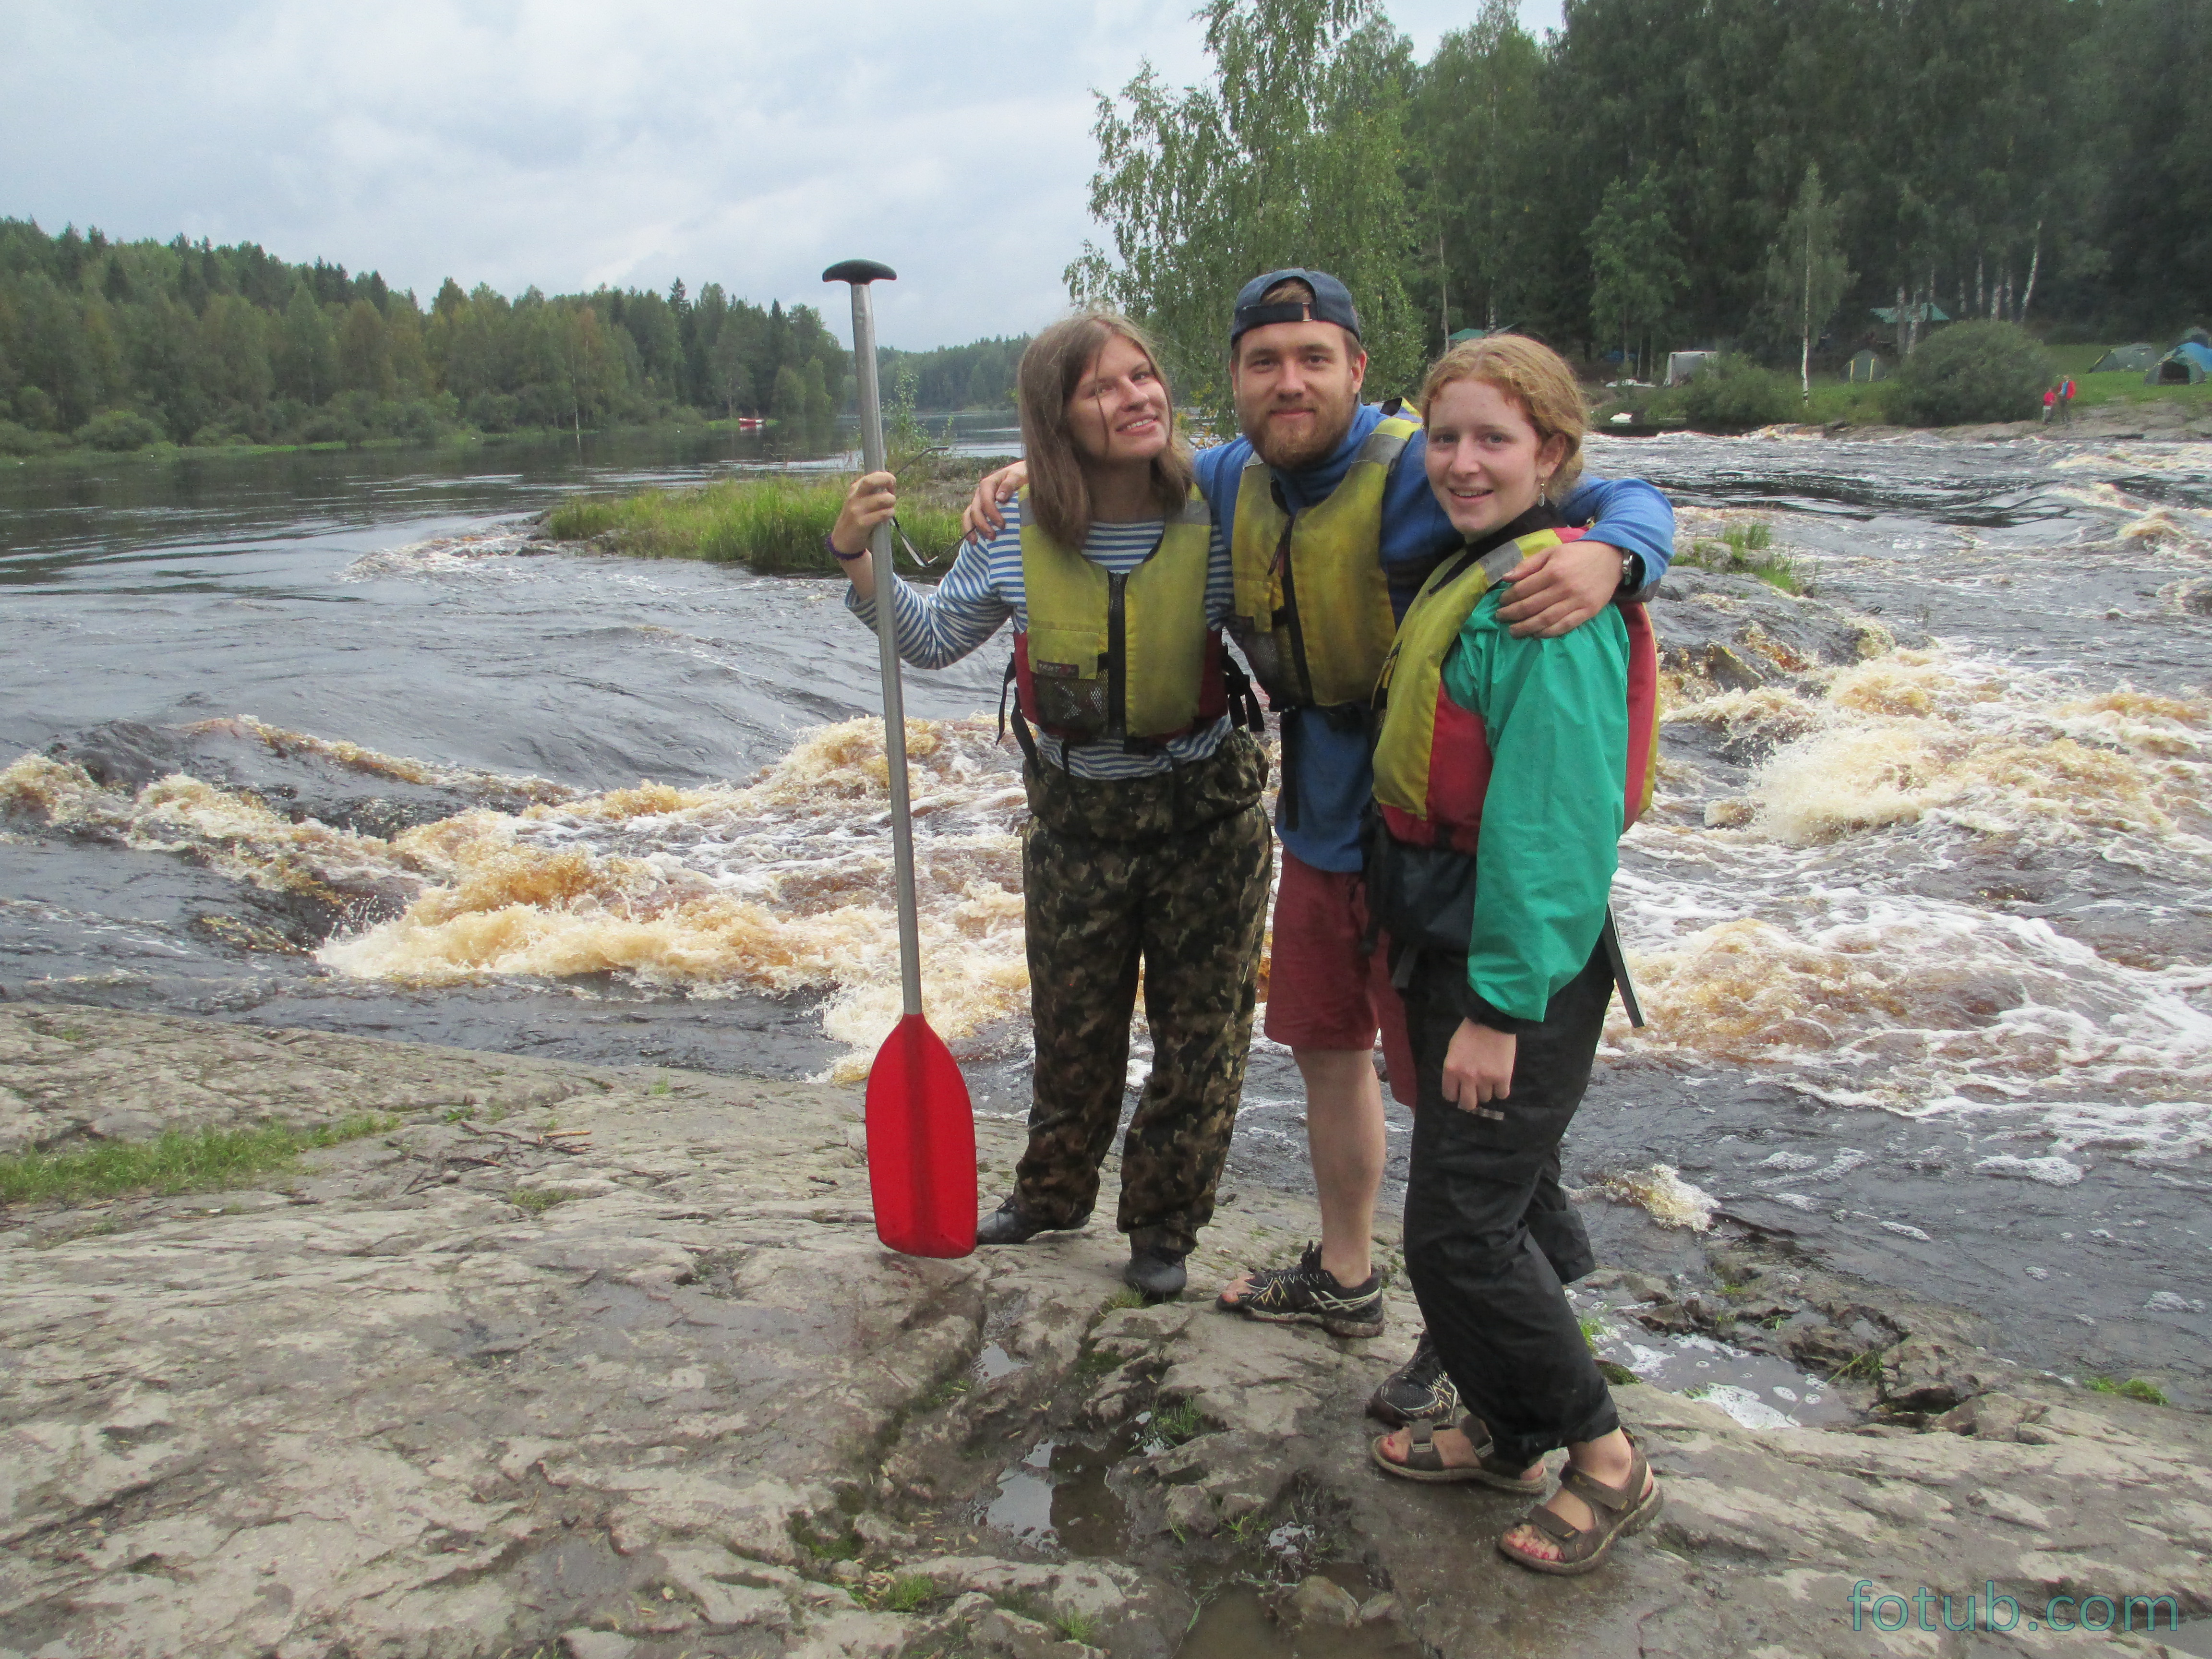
<point x="1295" y="452"/>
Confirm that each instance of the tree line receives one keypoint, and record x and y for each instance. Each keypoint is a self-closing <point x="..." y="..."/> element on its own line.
<point x="1669" y="173"/>
<point x="121" y="343"/>
<point x="978" y="375"/>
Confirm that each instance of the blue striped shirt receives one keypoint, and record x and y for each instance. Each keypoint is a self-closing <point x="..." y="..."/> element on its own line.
<point x="983" y="590"/>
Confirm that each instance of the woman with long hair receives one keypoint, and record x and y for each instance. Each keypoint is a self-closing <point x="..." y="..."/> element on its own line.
<point x="1505" y="771"/>
<point x="1146" y="845"/>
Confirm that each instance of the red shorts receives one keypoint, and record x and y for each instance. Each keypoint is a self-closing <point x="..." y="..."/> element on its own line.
<point x="1323" y="991"/>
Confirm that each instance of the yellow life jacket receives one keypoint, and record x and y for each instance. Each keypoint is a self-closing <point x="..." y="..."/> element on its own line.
<point x="1432" y="758"/>
<point x="1312" y="611"/>
<point x="1129" y="656"/>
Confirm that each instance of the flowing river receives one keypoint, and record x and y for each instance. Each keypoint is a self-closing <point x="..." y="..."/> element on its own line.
<point x="1925" y="938"/>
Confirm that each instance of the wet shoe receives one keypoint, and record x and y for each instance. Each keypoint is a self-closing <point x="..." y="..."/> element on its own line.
<point x="1308" y="1294"/>
<point x="1007" y="1225"/>
<point x="1157" y="1275"/>
<point x="1417" y="1390"/>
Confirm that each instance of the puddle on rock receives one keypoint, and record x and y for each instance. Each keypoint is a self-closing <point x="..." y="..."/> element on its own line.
<point x="1759" y="1390"/>
<point x="1236" y="1621"/>
<point x="994" y="1362"/>
<point x="1057" y="1498"/>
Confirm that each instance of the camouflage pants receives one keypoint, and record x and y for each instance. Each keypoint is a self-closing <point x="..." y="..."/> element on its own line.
<point x="1169" y="871"/>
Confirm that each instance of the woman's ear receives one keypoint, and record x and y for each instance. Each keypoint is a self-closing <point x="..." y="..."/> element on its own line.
<point x="1549" y="455"/>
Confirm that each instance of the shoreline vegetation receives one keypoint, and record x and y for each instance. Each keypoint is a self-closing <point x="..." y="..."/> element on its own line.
<point x="774" y="526"/>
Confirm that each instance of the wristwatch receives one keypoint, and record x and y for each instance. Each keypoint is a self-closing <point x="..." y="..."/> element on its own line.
<point x="1632" y="572"/>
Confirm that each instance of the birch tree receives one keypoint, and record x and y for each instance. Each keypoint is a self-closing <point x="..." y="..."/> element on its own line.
<point x="1806" y="275"/>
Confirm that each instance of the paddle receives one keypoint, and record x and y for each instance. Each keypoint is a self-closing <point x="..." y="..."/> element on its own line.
<point x="921" y="1130"/>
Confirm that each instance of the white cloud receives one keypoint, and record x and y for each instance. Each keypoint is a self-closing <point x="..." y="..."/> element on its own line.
<point x="565" y="145"/>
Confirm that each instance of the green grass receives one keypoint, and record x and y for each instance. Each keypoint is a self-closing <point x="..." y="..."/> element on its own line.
<point x="1076" y="1626"/>
<point x="2134" y="1389"/>
<point x="180" y="1161"/>
<point x="1124" y="1297"/>
<point x="1867" y="1368"/>
<point x="536" y="1200"/>
<point x="843" y="1546"/>
<point x="773" y="525"/>
<point x="1619" y="1376"/>
<point x="910" y="1592"/>
<point x="943" y="1393"/>
<point x="1746" y="549"/>
<point x="659" y="1085"/>
<point x="1173" y="1425"/>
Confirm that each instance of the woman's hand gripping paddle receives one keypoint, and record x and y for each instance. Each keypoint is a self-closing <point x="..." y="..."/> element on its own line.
<point x="922" y="1129"/>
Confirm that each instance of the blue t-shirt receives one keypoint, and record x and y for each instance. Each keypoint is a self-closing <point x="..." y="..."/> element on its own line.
<point x="1333" y="779"/>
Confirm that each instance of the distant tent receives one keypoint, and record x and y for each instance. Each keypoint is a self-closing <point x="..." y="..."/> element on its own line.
<point x="1926" y="312"/>
<point x="2187" y="364"/>
<point x="1466" y="334"/>
<point x="1680" y="365"/>
<point x="2141" y="356"/>
<point x="2196" y="337"/>
<point x="1869" y="366"/>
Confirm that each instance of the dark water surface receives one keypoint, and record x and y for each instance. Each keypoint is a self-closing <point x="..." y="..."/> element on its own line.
<point x="317" y="739"/>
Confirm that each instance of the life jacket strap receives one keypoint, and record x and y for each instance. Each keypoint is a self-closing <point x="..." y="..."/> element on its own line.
<point x="1617" y="959"/>
<point x="1008" y="700"/>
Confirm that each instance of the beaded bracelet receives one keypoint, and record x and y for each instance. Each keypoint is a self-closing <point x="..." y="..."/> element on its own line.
<point x="829" y="540"/>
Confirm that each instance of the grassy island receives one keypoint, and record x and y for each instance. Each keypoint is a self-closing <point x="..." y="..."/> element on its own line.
<point x="773" y="525"/>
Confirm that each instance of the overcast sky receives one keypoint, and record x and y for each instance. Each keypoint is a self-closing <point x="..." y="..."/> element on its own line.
<point x="573" y="142"/>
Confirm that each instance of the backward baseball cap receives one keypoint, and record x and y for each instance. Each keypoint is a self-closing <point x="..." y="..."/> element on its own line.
<point x="1331" y="303"/>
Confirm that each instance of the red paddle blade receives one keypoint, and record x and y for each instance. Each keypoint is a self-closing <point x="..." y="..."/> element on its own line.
<point x="921" y="1144"/>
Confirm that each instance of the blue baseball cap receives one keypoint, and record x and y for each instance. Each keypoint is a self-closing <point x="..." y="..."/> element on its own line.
<point x="1332" y="303"/>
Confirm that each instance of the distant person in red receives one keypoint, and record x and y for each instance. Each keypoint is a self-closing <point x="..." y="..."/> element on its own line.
<point x="2050" y="402"/>
<point x="2066" y="399"/>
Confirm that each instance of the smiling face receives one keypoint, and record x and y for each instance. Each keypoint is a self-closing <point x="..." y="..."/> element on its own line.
<point x="1486" y="462"/>
<point x="1297" y="386"/>
<point x="1118" y="412"/>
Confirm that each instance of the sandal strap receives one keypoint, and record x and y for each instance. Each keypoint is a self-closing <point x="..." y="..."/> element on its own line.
<point x="1615" y="1500"/>
<point x="1550" y="1520"/>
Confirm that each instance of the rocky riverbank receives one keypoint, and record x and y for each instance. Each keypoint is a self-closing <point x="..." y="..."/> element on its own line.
<point x="608" y="1363"/>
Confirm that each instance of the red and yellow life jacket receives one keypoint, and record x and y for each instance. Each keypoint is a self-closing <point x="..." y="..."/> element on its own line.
<point x="1433" y="757"/>
<point x="1128" y="657"/>
<point x="1312" y="612"/>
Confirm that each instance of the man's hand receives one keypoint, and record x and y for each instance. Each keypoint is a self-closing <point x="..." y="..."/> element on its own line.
<point x="1478" y="1065"/>
<point x="1557" y="589"/>
<point x="980" y="519"/>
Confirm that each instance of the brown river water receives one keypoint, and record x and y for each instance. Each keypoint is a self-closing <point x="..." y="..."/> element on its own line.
<point x="1925" y="941"/>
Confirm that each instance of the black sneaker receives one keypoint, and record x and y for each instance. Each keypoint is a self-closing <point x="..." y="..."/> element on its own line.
<point x="1416" y="1389"/>
<point x="1156" y="1274"/>
<point x="1308" y="1294"/>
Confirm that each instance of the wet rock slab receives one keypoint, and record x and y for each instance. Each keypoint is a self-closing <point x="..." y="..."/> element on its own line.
<point x="609" y="1363"/>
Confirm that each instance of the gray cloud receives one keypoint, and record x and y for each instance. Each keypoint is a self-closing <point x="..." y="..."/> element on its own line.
<point x="567" y="144"/>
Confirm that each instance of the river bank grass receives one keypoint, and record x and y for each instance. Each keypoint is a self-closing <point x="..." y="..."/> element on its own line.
<point x="179" y="1161"/>
<point x="1746" y="549"/>
<point x="775" y="525"/>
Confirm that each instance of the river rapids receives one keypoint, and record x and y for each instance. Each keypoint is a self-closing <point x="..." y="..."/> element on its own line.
<point x="1922" y="921"/>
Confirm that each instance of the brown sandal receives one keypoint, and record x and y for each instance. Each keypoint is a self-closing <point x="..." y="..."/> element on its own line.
<point x="1619" y="1510"/>
<point x="1425" y="1462"/>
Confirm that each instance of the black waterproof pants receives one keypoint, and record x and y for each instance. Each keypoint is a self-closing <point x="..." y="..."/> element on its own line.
<point x="1491" y="1241"/>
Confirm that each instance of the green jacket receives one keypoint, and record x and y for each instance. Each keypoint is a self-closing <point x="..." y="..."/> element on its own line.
<point x="1555" y="712"/>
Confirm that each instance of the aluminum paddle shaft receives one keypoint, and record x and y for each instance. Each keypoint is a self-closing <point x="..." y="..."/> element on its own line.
<point x="859" y="273"/>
